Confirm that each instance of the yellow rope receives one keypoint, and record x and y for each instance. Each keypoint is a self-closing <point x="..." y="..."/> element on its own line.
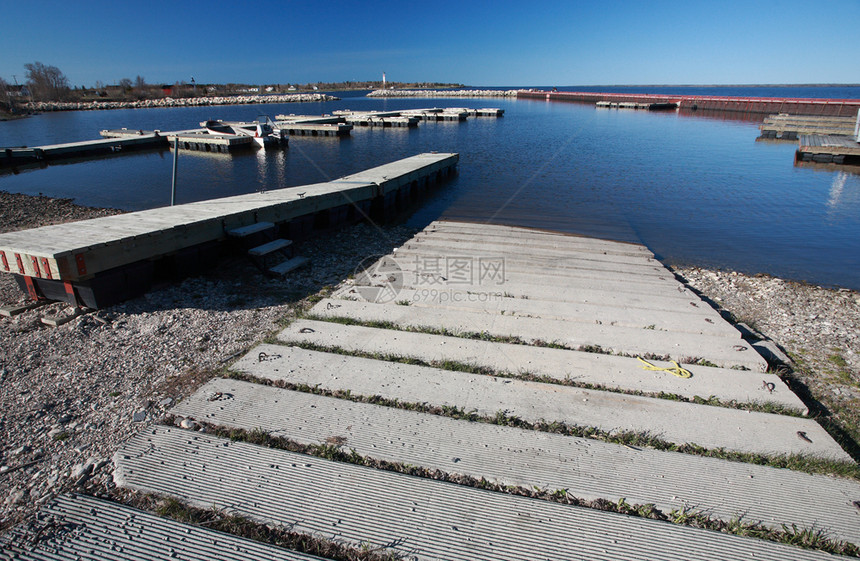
<point x="676" y="370"/>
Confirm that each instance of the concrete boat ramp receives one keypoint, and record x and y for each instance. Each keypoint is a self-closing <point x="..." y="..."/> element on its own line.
<point x="484" y="354"/>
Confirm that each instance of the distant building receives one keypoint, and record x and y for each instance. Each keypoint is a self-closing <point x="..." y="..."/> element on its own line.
<point x="167" y="89"/>
<point x="16" y="90"/>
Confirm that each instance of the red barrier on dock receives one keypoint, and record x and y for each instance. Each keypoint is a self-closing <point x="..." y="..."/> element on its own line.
<point x="765" y="105"/>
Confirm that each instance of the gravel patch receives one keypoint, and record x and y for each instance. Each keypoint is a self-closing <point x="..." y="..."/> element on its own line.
<point x="818" y="327"/>
<point x="70" y="395"/>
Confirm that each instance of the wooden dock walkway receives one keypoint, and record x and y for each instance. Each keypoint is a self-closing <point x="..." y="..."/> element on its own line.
<point x="822" y="148"/>
<point x="790" y="127"/>
<point x="92" y="260"/>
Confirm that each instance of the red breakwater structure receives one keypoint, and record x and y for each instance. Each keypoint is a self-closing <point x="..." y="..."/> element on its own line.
<point x="764" y="105"/>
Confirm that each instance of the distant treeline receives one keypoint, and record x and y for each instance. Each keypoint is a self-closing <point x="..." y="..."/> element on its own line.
<point x="48" y="83"/>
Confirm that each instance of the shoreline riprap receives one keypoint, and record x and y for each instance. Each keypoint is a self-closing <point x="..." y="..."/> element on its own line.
<point x="42" y="106"/>
<point x="818" y="328"/>
<point x="443" y="93"/>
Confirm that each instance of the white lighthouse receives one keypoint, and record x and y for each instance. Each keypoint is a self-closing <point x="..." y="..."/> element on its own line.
<point x="383" y="80"/>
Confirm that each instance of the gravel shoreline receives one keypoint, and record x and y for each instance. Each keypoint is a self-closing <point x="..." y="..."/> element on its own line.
<point x="443" y="93"/>
<point x="70" y="395"/>
<point x="40" y="106"/>
<point x="818" y="328"/>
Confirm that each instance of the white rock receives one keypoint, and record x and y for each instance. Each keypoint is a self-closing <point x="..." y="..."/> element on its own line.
<point x="82" y="469"/>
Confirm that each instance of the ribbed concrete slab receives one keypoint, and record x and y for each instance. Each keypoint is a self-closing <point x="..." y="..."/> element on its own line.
<point x="503" y="233"/>
<point x="597" y="297"/>
<point x="76" y="527"/>
<point x="432" y="267"/>
<point x="587" y="468"/>
<point x="420" y="518"/>
<point x="711" y="427"/>
<point x="682" y="347"/>
<point x="586" y="368"/>
<point x="524" y="261"/>
<point x="584" y="312"/>
<point x="515" y="247"/>
<point x="580" y="279"/>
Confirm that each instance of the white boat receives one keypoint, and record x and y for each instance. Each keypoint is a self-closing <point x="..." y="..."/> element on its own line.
<point x="263" y="130"/>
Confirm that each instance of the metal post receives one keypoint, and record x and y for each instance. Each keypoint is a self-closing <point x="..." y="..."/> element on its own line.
<point x="175" y="160"/>
<point x="857" y="127"/>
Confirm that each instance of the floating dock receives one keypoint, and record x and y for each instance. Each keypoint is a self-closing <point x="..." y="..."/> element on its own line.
<point x="370" y="120"/>
<point x="487" y="112"/>
<point x="102" y="261"/>
<point x="52" y="152"/>
<point x="308" y="119"/>
<point x="825" y="149"/>
<point x="401" y="118"/>
<point x="794" y="106"/>
<point x="790" y="127"/>
<point x="314" y="129"/>
<point x="634" y="105"/>
<point x="191" y="139"/>
<point x="437" y="114"/>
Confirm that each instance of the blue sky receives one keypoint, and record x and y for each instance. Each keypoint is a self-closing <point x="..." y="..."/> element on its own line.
<point x="476" y="43"/>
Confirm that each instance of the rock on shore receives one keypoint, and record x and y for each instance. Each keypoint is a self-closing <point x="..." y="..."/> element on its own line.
<point x="41" y="106"/>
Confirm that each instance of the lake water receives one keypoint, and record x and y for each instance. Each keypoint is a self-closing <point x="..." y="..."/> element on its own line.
<point x="696" y="190"/>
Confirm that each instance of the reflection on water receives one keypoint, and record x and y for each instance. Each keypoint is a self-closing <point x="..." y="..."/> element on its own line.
<point x="695" y="189"/>
<point x="836" y="189"/>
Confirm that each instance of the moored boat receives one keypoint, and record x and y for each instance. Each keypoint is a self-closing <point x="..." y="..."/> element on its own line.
<point x="263" y="130"/>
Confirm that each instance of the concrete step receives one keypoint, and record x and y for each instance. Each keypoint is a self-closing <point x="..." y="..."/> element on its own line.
<point x="271" y="247"/>
<point x="589" y="469"/>
<point x="289" y="265"/>
<point x="582" y="312"/>
<point x="568" y="266"/>
<point x="430" y="243"/>
<point x="513" y="244"/>
<point x="492" y="275"/>
<point x="507" y="233"/>
<point x="597" y="297"/>
<point x="409" y="516"/>
<point x="626" y="374"/>
<point x="683" y="347"/>
<point x="678" y="422"/>
<point x="75" y="527"/>
<point x="460" y="267"/>
<point x="250" y="229"/>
